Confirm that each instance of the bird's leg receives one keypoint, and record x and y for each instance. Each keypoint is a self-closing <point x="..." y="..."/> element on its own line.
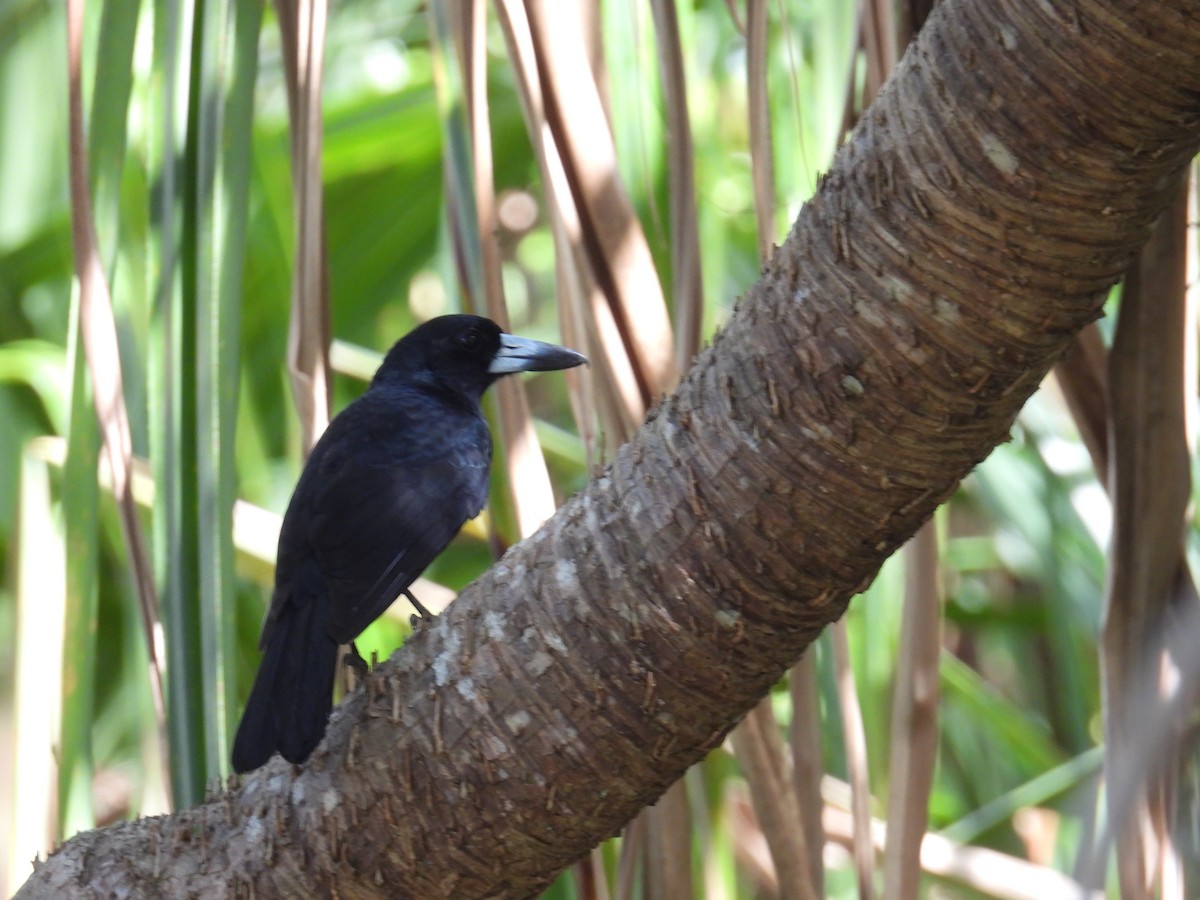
<point x="425" y="614"/>
<point x="355" y="661"/>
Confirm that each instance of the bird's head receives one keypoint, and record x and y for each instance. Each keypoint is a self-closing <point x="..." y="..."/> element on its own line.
<point x="465" y="354"/>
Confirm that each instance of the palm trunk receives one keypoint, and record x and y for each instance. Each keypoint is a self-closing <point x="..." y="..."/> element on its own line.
<point x="993" y="193"/>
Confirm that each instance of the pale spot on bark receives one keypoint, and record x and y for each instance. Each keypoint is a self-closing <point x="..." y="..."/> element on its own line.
<point x="567" y="576"/>
<point x="443" y="663"/>
<point x="899" y="288"/>
<point x="728" y="618"/>
<point x="518" y="721"/>
<point x="466" y="688"/>
<point x="493" y="624"/>
<point x="329" y="800"/>
<point x="492" y="747"/>
<point x="255" y="830"/>
<point x="947" y="311"/>
<point x="871" y="314"/>
<point x="565" y="734"/>
<point x="998" y="155"/>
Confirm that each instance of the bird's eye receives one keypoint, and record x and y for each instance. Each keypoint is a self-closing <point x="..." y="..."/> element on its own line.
<point x="471" y="340"/>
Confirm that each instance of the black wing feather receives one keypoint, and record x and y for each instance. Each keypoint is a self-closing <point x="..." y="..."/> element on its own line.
<point x="375" y="530"/>
<point x="380" y="497"/>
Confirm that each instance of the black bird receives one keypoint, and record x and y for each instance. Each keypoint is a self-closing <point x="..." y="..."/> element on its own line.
<point x="386" y="488"/>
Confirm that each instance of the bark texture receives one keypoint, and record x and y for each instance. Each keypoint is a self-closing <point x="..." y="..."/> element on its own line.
<point x="992" y="194"/>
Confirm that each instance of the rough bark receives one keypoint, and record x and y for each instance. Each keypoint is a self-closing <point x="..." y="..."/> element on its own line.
<point x="994" y="191"/>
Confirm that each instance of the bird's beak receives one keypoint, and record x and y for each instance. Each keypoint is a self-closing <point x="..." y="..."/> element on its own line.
<point x="518" y="354"/>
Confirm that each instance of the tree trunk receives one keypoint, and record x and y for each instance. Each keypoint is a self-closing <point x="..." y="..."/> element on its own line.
<point x="992" y="194"/>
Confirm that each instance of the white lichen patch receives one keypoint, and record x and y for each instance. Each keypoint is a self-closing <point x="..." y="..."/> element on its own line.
<point x="254" y="831"/>
<point x="540" y="662"/>
<point x="492" y="747"/>
<point x="947" y="311"/>
<point x="898" y="288"/>
<point x="852" y="386"/>
<point x="517" y="721"/>
<point x="998" y="155"/>
<point x="728" y="618"/>
<point x="563" y="734"/>
<point x="556" y="643"/>
<point x="443" y="663"/>
<point x="1008" y="37"/>
<point x="329" y="800"/>
<point x="466" y="688"/>
<point x="871" y="314"/>
<point x="493" y="624"/>
<point x="566" y="577"/>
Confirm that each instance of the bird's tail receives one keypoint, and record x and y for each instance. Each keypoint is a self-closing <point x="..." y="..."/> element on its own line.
<point x="293" y="693"/>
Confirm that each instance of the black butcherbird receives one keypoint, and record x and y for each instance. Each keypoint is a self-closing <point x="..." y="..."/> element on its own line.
<point x="386" y="488"/>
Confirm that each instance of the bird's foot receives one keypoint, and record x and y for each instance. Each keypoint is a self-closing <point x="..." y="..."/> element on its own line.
<point x="425" y="615"/>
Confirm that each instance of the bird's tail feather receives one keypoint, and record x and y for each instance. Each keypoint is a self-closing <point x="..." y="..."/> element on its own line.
<point x="292" y="697"/>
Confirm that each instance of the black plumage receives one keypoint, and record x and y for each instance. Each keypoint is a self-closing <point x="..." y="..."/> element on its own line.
<point x="386" y="488"/>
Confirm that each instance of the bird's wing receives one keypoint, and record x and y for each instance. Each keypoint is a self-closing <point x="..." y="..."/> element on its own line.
<point x="375" y="528"/>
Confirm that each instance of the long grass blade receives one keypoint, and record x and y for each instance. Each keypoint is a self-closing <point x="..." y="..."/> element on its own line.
<point x="668" y="850"/>
<point x="633" y="851"/>
<point x="302" y="26"/>
<point x="227" y="67"/>
<point x="856" y="760"/>
<point x="978" y="869"/>
<point x="615" y="394"/>
<point x="1039" y="791"/>
<point x="172" y="376"/>
<point x="807" y="763"/>
<point x="762" y="167"/>
<point x="635" y="318"/>
<point x="107" y="126"/>
<point x="687" y="287"/>
<point x="82" y="532"/>
<point x="1150" y="489"/>
<point x="914" y="738"/>
<point x="1082" y="375"/>
<point x="38" y="668"/>
<point x="104" y="365"/>
<point x="759" y="748"/>
<point x="462" y="86"/>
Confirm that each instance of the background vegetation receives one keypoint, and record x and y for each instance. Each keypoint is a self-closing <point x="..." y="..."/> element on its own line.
<point x="198" y="229"/>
